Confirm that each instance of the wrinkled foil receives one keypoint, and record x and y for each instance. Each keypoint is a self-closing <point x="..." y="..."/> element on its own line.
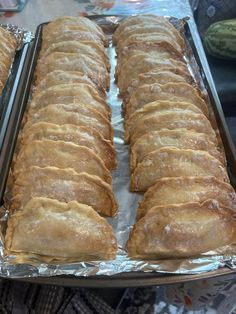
<point x="128" y="203"/>
<point x="22" y="35"/>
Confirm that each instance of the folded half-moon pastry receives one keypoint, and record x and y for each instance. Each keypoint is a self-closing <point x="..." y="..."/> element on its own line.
<point x="177" y="190"/>
<point x="156" y="108"/>
<point x="60" y="231"/>
<point x="70" y="22"/>
<point x="172" y="120"/>
<point x="159" y="77"/>
<point x="68" y="94"/>
<point x="142" y="63"/>
<point x="182" y="230"/>
<point x="73" y="62"/>
<point x="181" y="92"/>
<point x="59" y="77"/>
<point x="179" y="138"/>
<point x="70" y="114"/>
<point x="80" y="135"/>
<point x="174" y="162"/>
<point x="62" y="155"/>
<point x="64" y="185"/>
<point x="89" y="48"/>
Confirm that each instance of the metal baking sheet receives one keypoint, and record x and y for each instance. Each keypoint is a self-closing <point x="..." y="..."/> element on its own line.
<point x="123" y="271"/>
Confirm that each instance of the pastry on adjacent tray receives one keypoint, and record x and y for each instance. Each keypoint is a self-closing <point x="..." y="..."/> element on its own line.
<point x="64" y="185"/>
<point x="70" y="114"/>
<point x="62" y="155"/>
<point x="178" y="190"/>
<point x="174" y="162"/>
<point x="80" y="135"/>
<point x="60" y="231"/>
<point x="184" y="230"/>
<point x="179" y="138"/>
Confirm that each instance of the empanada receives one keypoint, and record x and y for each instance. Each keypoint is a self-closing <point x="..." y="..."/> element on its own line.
<point x="159" y="77"/>
<point x="156" y="108"/>
<point x="156" y="121"/>
<point x="62" y="155"/>
<point x="177" y="190"/>
<point x="70" y="93"/>
<point x="174" y="162"/>
<point x="60" y="231"/>
<point x="142" y="63"/>
<point x="179" y="138"/>
<point x="67" y="114"/>
<point x="71" y="22"/>
<point x="181" y="92"/>
<point x="59" y="77"/>
<point x="90" y="49"/>
<point x="64" y="185"/>
<point x="182" y="230"/>
<point x="80" y="135"/>
<point x="73" y="62"/>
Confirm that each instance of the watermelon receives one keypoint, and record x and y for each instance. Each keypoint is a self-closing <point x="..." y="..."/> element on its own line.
<point x="220" y="39"/>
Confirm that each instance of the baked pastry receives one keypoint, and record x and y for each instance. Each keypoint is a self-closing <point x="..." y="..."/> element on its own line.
<point x="142" y="63"/>
<point x="174" y="162"/>
<point x="73" y="62"/>
<point x="89" y="48"/>
<point x="59" y="77"/>
<point x="62" y="155"/>
<point x="60" y="232"/>
<point x="80" y="135"/>
<point x="64" y="185"/>
<point x="157" y="108"/>
<point x="8" y="45"/>
<point x="70" y="114"/>
<point x="173" y="231"/>
<point x="179" y="190"/>
<point x="179" y="138"/>
<point x="68" y="94"/>
<point x="156" y="121"/>
<point x="79" y="23"/>
<point x="181" y="92"/>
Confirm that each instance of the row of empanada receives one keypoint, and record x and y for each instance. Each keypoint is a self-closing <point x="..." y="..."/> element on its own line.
<point x="175" y="151"/>
<point x="8" y="46"/>
<point x="61" y="171"/>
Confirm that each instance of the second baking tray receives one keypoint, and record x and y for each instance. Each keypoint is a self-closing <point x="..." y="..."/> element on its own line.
<point x="127" y="277"/>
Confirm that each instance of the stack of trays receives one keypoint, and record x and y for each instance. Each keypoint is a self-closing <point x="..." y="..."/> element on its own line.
<point x="176" y="157"/>
<point x="61" y="181"/>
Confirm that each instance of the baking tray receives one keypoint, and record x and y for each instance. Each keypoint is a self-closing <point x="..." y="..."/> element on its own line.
<point x="129" y="279"/>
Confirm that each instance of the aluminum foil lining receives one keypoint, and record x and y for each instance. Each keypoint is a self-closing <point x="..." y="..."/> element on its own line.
<point x="128" y="203"/>
<point x="22" y="35"/>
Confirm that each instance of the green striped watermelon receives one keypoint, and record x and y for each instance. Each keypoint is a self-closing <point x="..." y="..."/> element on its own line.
<point x="220" y="39"/>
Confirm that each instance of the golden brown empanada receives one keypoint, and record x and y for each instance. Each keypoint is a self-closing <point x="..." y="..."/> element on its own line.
<point x="179" y="138"/>
<point x="60" y="231"/>
<point x="156" y="108"/>
<point x="172" y="120"/>
<point x="80" y="135"/>
<point x="174" y="162"/>
<point x="181" y="92"/>
<point x="59" y="77"/>
<point x="182" y="230"/>
<point x="73" y="62"/>
<point x="70" y="22"/>
<point x="142" y="63"/>
<point x="70" y="114"/>
<point x="64" y="185"/>
<point x="62" y="155"/>
<point x="177" y="190"/>
<point x="159" y="77"/>
<point x="90" y="49"/>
